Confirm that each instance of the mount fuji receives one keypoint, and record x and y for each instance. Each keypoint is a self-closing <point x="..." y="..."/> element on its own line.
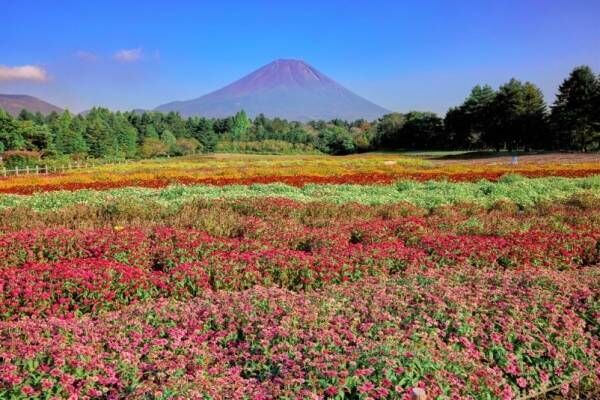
<point x="290" y="89"/>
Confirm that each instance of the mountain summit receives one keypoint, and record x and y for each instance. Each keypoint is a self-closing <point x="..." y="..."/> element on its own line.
<point x="290" y="89"/>
<point x="14" y="103"/>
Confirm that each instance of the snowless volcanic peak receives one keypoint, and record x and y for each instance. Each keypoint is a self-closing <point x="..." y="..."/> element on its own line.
<point x="285" y="73"/>
<point x="290" y="89"/>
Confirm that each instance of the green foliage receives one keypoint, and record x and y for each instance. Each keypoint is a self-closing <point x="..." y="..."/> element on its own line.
<point x="68" y="134"/>
<point x="10" y="137"/>
<point x="513" y="117"/>
<point x="169" y="140"/>
<point x="575" y="114"/>
<point x="241" y="123"/>
<point x="471" y="121"/>
<point x="186" y="146"/>
<point x="202" y="130"/>
<point x="523" y="192"/>
<point x="20" y="159"/>
<point x="265" y="147"/>
<point x="335" y="140"/>
<point x="518" y="115"/>
<point x="152" y="147"/>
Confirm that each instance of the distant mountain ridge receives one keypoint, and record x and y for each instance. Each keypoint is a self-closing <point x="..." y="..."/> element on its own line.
<point x="290" y="89"/>
<point x="14" y="103"/>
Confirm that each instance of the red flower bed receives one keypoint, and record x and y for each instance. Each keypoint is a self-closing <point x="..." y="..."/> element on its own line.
<point x="471" y="334"/>
<point x="307" y="301"/>
<point x="293" y="180"/>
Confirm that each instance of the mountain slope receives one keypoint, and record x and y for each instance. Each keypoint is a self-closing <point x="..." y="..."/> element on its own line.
<point x="14" y="103"/>
<point x="289" y="89"/>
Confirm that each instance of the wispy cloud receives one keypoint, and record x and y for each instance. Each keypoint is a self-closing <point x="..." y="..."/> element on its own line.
<point x="23" y="73"/>
<point x="128" y="55"/>
<point x="86" y="56"/>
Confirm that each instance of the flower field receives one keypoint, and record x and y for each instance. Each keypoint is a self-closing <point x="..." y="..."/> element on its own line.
<point x="469" y="288"/>
<point x="223" y="170"/>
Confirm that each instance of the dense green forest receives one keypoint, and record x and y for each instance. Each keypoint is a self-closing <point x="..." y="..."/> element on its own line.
<point x="512" y="117"/>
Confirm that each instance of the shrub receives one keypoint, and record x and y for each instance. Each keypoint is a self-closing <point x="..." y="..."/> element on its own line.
<point x="20" y="159"/>
<point x="264" y="147"/>
<point x="187" y="146"/>
<point x="153" y="148"/>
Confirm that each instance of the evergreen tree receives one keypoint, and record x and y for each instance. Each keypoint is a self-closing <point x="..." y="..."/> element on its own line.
<point x="150" y="132"/>
<point x="126" y="135"/>
<point x="389" y="131"/>
<point x="240" y="126"/>
<point x="458" y="129"/>
<point x="25" y="115"/>
<point x="10" y="137"/>
<point x="169" y="140"/>
<point x="533" y="121"/>
<point x="36" y="137"/>
<point x="99" y="136"/>
<point x="335" y="140"/>
<point x="477" y="109"/>
<point x="575" y="112"/>
<point x="68" y="135"/>
<point x="202" y="130"/>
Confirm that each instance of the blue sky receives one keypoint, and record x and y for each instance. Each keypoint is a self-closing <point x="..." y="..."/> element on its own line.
<point x="421" y="55"/>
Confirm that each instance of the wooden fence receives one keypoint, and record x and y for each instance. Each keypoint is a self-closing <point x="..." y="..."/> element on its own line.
<point x="46" y="169"/>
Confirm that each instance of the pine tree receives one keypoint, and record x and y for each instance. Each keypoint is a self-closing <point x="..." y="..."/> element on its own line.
<point x="241" y="123"/>
<point x="574" y="113"/>
<point x="169" y="140"/>
<point x="10" y="138"/>
<point x="533" y="120"/>
<point x="68" y="136"/>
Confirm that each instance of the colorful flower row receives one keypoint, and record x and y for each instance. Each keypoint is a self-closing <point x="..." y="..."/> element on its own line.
<point x="293" y="170"/>
<point x="522" y="191"/>
<point x="58" y="184"/>
<point x="48" y="273"/>
<point x="462" y="334"/>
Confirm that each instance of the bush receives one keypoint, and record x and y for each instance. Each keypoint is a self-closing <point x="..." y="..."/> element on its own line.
<point x="264" y="147"/>
<point x="153" y="148"/>
<point x="187" y="146"/>
<point x="335" y="140"/>
<point x="20" y="159"/>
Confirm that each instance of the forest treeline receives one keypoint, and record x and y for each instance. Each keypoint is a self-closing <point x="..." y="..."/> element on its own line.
<point x="512" y="117"/>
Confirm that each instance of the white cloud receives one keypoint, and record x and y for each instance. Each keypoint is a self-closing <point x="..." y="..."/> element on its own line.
<point x="128" y="55"/>
<point x="86" y="56"/>
<point x="23" y="73"/>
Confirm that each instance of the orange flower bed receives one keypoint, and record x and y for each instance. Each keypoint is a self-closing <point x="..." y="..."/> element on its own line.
<point x="295" y="171"/>
<point x="296" y="180"/>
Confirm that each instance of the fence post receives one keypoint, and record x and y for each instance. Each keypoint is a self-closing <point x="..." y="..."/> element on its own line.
<point x="27" y="169"/>
<point x="37" y="169"/>
<point x="16" y="171"/>
<point x="4" y="171"/>
<point x="46" y="169"/>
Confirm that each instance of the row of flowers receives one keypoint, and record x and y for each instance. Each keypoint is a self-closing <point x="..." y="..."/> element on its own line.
<point x="74" y="182"/>
<point x="522" y="191"/>
<point x="465" y="333"/>
<point x="45" y="272"/>
<point x="272" y="218"/>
